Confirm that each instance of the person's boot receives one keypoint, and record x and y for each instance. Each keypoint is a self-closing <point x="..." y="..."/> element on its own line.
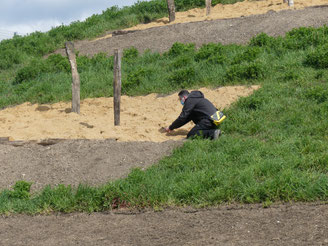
<point x="217" y="134"/>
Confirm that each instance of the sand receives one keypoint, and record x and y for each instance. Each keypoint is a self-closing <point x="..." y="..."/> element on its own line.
<point x="142" y="118"/>
<point x="226" y="11"/>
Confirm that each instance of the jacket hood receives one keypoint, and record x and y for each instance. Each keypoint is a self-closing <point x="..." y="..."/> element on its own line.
<point x="196" y="94"/>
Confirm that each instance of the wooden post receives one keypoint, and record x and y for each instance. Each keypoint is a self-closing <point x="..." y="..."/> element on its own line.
<point x="171" y="7"/>
<point x="208" y="7"/>
<point x="75" y="78"/>
<point x="290" y="3"/>
<point x="117" y="86"/>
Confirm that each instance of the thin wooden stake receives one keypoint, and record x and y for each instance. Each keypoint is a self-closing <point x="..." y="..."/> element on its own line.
<point x="75" y="78"/>
<point x="171" y="8"/>
<point x="117" y="86"/>
<point x="208" y="7"/>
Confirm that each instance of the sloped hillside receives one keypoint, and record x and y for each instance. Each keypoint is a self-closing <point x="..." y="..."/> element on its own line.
<point x="224" y="26"/>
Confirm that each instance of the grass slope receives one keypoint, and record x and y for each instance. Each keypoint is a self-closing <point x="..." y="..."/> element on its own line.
<point x="19" y="50"/>
<point x="274" y="146"/>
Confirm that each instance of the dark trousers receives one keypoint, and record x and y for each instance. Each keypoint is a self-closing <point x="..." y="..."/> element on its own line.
<point x="205" y="128"/>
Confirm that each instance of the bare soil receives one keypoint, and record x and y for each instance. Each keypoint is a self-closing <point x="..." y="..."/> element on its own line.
<point x="85" y="161"/>
<point x="291" y="224"/>
<point x="91" y="162"/>
<point x="226" y="31"/>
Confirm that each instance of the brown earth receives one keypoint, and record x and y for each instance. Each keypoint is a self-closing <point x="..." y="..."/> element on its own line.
<point x="289" y="225"/>
<point x="226" y="11"/>
<point x="87" y="160"/>
<point x="72" y="162"/>
<point x="225" y="31"/>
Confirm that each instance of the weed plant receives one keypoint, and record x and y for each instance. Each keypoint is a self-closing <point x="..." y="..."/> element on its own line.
<point x="274" y="146"/>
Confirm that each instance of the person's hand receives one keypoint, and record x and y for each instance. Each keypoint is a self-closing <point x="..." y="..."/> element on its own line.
<point x="167" y="129"/>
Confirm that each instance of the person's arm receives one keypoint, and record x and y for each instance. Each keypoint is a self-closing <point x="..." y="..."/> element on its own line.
<point x="184" y="117"/>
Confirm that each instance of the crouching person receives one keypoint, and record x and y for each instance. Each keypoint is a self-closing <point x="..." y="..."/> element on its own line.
<point x="202" y="112"/>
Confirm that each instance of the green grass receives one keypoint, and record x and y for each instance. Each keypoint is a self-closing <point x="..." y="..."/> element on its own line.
<point x="21" y="57"/>
<point x="274" y="143"/>
<point x="20" y="49"/>
<point x="274" y="146"/>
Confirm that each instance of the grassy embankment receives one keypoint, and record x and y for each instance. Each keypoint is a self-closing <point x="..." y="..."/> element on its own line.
<point x="20" y="51"/>
<point x="275" y="142"/>
<point x="274" y="146"/>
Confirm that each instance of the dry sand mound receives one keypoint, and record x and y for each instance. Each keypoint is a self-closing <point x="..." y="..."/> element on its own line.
<point x="141" y="117"/>
<point x="226" y="11"/>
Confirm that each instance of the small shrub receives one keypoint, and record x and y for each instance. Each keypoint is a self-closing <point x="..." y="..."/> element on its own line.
<point x="145" y="18"/>
<point x="250" y="103"/>
<point x="271" y="44"/>
<point x="57" y="63"/>
<point x="9" y="57"/>
<point x="304" y="37"/>
<point x="83" y="63"/>
<point x="101" y="61"/>
<point x="144" y="7"/>
<point x="318" y="58"/>
<point x="291" y="75"/>
<point x="262" y="40"/>
<point x="181" y="5"/>
<point x="253" y="70"/>
<point x="21" y="190"/>
<point x="181" y="61"/>
<point x="30" y="72"/>
<point x="130" y="54"/>
<point x="98" y="62"/>
<point x="317" y="93"/>
<point x="319" y="75"/>
<point x="59" y="198"/>
<point x="323" y="110"/>
<point x="134" y="79"/>
<point x="183" y="77"/>
<point x="178" y="49"/>
<point x="75" y="32"/>
<point x="217" y="59"/>
<point x="208" y="51"/>
<point x="249" y="55"/>
<point x="53" y="64"/>
<point x="37" y="44"/>
<point x="150" y="57"/>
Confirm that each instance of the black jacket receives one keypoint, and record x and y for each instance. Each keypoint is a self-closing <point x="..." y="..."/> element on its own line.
<point x="196" y="108"/>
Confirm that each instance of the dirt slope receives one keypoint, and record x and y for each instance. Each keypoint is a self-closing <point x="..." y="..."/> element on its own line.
<point x="284" y="225"/>
<point x="228" y="11"/>
<point x="226" y="31"/>
<point x="92" y="162"/>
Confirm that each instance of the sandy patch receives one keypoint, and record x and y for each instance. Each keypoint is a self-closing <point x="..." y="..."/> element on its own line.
<point x="141" y="117"/>
<point x="226" y="11"/>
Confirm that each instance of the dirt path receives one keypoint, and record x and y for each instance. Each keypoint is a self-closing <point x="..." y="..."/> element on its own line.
<point x="299" y="224"/>
<point x="228" y="11"/>
<point x="92" y="162"/>
<point x="237" y="30"/>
